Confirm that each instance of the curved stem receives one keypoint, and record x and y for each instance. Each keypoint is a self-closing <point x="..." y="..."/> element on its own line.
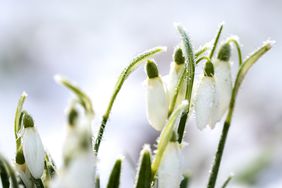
<point x="203" y="58"/>
<point x="123" y="76"/>
<point x="239" y="78"/>
<point x="201" y="51"/>
<point x="216" y="41"/>
<point x="236" y="43"/>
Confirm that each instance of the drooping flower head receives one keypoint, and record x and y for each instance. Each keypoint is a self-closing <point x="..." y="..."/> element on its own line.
<point x="205" y="98"/>
<point x="156" y="97"/>
<point x="223" y="79"/>
<point x="33" y="149"/>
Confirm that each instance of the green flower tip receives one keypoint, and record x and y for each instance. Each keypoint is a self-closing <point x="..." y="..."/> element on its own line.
<point x="209" y="70"/>
<point x="27" y="121"/>
<point x="224" y="52"/>
<point x="20" y="157"/>
<point x="178" y="56"/>
<point x="152" y="69"/>
<point x="72" y="116"/>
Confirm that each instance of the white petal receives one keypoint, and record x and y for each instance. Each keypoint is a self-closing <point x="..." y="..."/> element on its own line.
<point x="223" y="82"/>
<point x="156" y="103"/>
<point x="80" y="173"/>
<point x="25" y="175"/>
<point x="204" y="104"/>
<point x="173" y="76"/>
<point x="170" y="170"/>
<point x="33" y="152"/>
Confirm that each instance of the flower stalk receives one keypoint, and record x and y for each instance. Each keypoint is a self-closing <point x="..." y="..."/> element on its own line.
<point x="123" y="76"/>
<point x="244" y="68"/>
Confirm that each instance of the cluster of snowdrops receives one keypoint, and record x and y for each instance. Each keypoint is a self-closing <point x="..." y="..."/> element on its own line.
<point x="169" y="102"/>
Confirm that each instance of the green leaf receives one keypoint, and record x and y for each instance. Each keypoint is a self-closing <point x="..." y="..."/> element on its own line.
<point x="166" y="135"/>
<point x="144" y="173"/>
<point x="190" y="74"/>
<point x="226" y="182"/>
<point x="252" y="59"/>
<point x="216" y="40"/>
<point x="114" y="179"/>
<point x="18" y="117"/>
<point x="4" y="175"/>
<point x="10" y="170"/>
<point x="83" y="98"/>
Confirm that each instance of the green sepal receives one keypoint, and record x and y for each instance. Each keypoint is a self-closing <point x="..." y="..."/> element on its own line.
<point x="72" y="115"/>
<point x="224" y="52"/>
<point x="27" y="120"/>
<point x="178" y="56"/>
<point x="144" y="173"/>
<point x="209" y="70"/>
<point x="151" y="69"/>
<point x="114" y="179"/>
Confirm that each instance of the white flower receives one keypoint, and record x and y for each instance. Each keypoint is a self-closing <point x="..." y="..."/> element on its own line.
<point x="223" y="84"/>
<point x="172" y="80"/>
<point x="33" y="149"/>
<point x="80" y="173"/>
<point x="157" y="100"/>
<point x="204" y="103"/>
<point x="25" y="175"/>
<point x="170" y="169"/>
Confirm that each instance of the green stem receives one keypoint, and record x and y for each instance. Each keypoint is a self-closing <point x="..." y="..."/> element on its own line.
<point x="236" y="43"/>
<point x="201" y="51"/>
<point x="123" y="76"/>
<point x="226" y="182"/>
<point x="203" y="58"/>
<point x="176" y="91"/>
<point x="244" y="68"/>
<point x="216" y="41"/>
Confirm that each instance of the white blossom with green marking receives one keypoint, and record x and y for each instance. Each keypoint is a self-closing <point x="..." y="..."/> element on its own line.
<point x="33" y="149"/>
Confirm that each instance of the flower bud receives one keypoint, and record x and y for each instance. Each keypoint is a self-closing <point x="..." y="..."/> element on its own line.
<point x="156" y="98"/>
<point x="223" y="80"/>
<point x="176" y="68"/>
<point x="224" y="52"/>
<point x="33" y="149"/>
<point x="170" y="169"/>
<point x="204" y="104"/>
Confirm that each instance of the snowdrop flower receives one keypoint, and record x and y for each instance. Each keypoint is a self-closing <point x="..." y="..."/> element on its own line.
<point x="157" y="99"/>
<point x="80" y="173"/>
<point x="170" y="169"/>
<point x="223" y="79"/>
<point x="176" y="68"/>
<point x="205" y="98"/>
<point x="33" y="149"/>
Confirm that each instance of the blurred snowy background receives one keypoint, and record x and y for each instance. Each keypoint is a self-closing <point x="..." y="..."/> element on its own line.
<point x="92" y="41"/>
